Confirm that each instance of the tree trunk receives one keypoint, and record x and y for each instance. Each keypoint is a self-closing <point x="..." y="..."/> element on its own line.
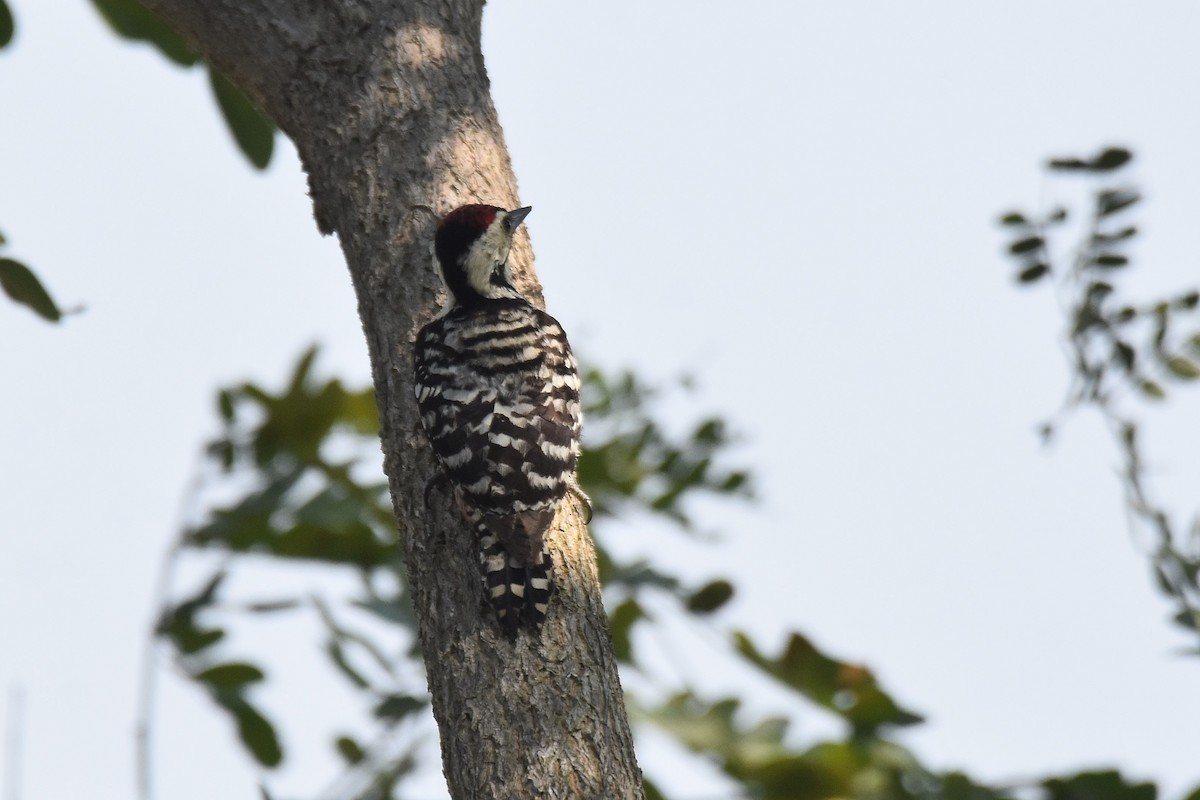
<point x="389" y="107"/>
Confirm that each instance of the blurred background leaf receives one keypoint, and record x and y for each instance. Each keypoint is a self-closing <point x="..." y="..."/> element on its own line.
<point x="23" y="287"/>
<point x="7" y="24"/>
<point x="253" y="132"/>
<point x="1120" y="351"/>
<point x="303" y="465"/>
<point x="131" y="20"/>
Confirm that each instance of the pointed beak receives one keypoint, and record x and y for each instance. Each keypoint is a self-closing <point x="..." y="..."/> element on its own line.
<point x="516" y="217"/>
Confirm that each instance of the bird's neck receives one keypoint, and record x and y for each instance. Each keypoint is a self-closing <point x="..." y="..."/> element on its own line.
<point x="473" y="291"/>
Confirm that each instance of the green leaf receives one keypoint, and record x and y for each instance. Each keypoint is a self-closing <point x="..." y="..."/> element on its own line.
<point x="1152" y="390"/>
<point x="230" y="676"/>
<point x="360" y="410"/>
<point x="190" y="640"/>
<point x="397" y="609"/>
<point x="650" y="791"/>
<point x="349" y="750"/>
<point x="712" y="728"/>
<point x="1046" y="432"/>
<point x="1118" y="236"/>
<point x="638" y="463"/>
<point x="1110" y="159"/>
<point x="1188" y="301"/>
<point x="1162" y="318"/>
<point x="848" y="690"/>
<point x="298" y="420"/>
<point x="1033" y="272"/>
<point x="1110" y="260"/>
<point x="1068" y="164"/>
<point x="1188" y="618"/>
<point x="1124" y="355"/>
<point x="256" y="733"/>
<point x="1087" y="317"/>
<point x="247" y="525"/>
<point x="132" y="20"/>
<point x="758" y="757"/>
<point x="1026" y="245"/>
<point x="341" y="635"/>
<point x="1014" y="218"/>
<point x="1112" y="201"/>
<point x="734" y="481"/>
<point x="1194" y="342"/>
<point x="225" y="405"/>
<point x="710" y="597"/>
<point x="633" y="575"/>
<point x="396" y="707"/>
<point x="271" y="606"/>
<point x="1183" y="368"/>
<point x="178" y="623"/>
<point x="6" y="34"/>
<point x="332" y="508"/>
<point x="303" y="369"/>
<point x="338" y="656"/>
<point x="711" y="431"/>
<point x="1107" y="785"/>
<point x="356" y="544"/>
<point x="224" y="452"/>
<point x="957" y="786"/>
<point x="19" y="283"/>
<point x="1163" y="581"/>
<point x="254" y="133"/>
<point x="621" y="623"/>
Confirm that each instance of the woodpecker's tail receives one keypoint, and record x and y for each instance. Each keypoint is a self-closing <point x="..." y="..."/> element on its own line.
<point x="520" y="593"/>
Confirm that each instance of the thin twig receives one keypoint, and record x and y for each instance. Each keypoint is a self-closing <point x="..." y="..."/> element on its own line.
<point x="148" y="672"/>
<point x="12" y="743"/>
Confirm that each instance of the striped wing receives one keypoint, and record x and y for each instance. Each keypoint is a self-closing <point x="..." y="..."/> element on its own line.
<point x="499" y="397"/>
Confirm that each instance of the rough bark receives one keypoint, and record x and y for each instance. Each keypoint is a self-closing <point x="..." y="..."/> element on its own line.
<point x="389" y="107"/>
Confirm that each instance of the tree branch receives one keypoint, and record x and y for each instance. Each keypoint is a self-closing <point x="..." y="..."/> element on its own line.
<point x="389" y="106"/>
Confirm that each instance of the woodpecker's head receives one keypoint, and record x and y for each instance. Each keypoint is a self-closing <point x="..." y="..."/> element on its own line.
<point x="472" y="245"/>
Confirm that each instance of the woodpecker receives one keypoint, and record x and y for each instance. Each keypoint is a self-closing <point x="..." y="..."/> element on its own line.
<point x="498" y="391"/>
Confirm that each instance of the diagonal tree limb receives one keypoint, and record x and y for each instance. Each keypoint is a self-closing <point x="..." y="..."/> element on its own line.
<point x="388" y="104"/>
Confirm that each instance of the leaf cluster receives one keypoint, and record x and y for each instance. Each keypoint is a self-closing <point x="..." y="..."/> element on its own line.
<point x="297" y="503"/>
<point x="22" y="286"/>
<point x="295" y="457"/>
<point x="226" y="682"/>
<point x="1119" y="349"/>
<point x="635" y="463"/>
<point x="7" y="25"/>
<point x="253" y="131"/>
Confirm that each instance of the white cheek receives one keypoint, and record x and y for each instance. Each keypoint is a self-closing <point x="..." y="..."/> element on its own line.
<point x="479" y="269"/>
<point x="490" y="251"/>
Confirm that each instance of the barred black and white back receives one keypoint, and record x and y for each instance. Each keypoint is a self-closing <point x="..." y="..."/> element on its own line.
<point x="498" y="392"/>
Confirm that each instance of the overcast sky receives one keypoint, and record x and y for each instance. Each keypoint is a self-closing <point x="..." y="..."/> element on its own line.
<point x="794" y="202"/>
